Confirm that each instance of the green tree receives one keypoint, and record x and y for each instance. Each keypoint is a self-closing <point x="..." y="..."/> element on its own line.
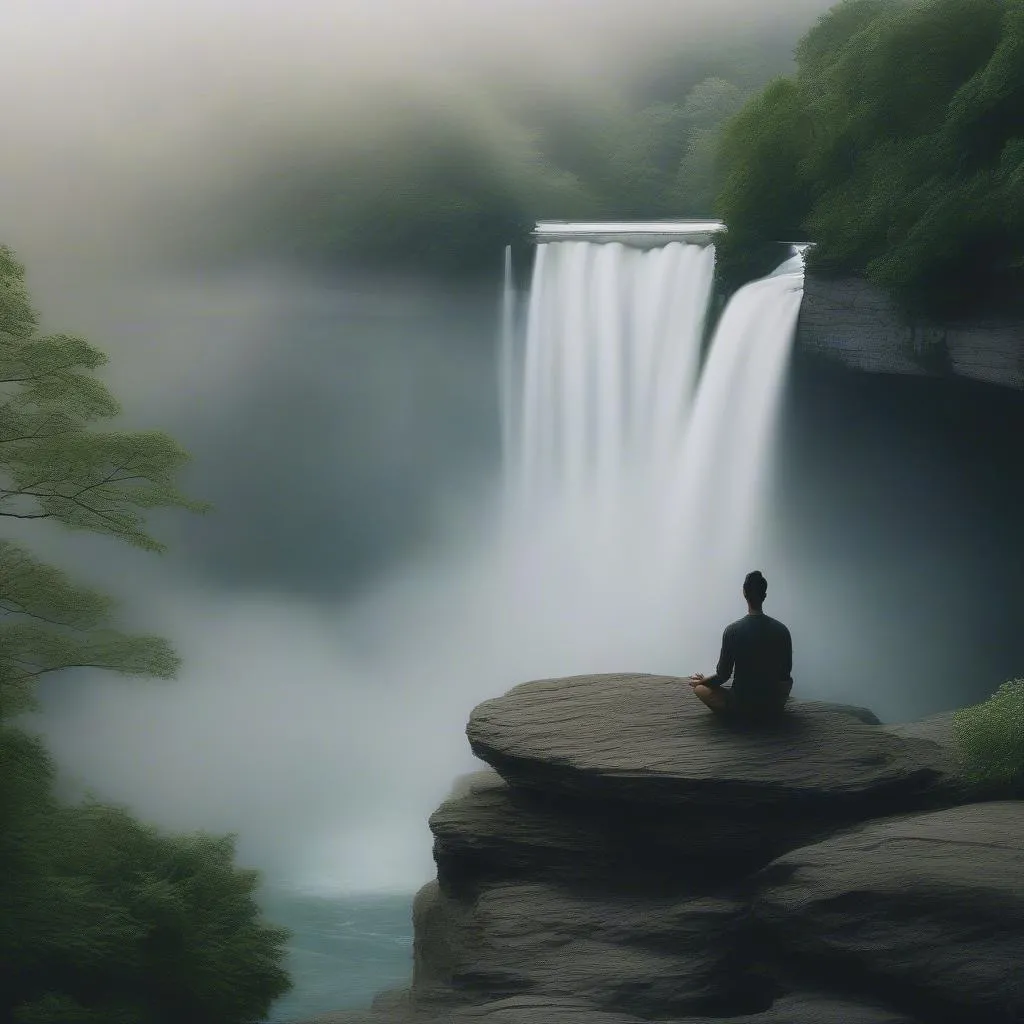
<point x="102" y="919"/>
<point x="441" y="192"/>
<point x="431" y="194"/>
<point x="53" y="466"/>
<point x="759" y="156"/>
<point x="909" y="159"/>
<point x="642" y="149"/>
<point x="707" y="108"/>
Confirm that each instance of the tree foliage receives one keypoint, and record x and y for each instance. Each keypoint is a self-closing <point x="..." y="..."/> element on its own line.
<point x="759" y="149"/>
<point x="707" y="108"/>
<point x="102" y="918"/>
<point x="902" y="131"/>
<point x="444" y="192"/>
<point x="54" y="466"/>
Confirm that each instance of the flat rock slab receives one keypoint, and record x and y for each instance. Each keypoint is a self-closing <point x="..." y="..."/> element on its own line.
<point x="928" y="906"/>
<point x="647" y="739"/>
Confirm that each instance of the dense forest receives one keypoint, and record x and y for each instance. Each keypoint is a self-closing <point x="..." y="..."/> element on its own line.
<point x="890" y="135"/>
<point x="444" y="192"/>
<point x="897" y="147"/>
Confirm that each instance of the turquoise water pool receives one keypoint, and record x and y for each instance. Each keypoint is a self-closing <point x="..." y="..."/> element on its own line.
<point x="344" y="950"/>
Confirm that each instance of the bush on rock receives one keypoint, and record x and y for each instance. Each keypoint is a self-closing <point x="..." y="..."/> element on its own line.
<point x="990" y="736"/>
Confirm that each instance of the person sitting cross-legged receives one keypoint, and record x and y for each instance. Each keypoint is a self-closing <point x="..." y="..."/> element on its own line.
<point x="759" y="650"/>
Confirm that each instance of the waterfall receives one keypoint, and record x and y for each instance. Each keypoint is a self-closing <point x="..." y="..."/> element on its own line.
<point x="720" y="482"/>
<point x="507" y="359"/>
<point x="624" y="456"/>
<point x="612" y="345"/>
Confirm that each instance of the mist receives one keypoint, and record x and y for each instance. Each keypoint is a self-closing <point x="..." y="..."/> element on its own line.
<point x="136" y="126"/>
<point x="323" y="721"/>
<point x="346" y="604"/>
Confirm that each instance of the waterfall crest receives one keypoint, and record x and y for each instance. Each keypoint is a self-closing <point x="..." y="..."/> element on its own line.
<point x="609" y="366"/>
<point x="624" y="454"/>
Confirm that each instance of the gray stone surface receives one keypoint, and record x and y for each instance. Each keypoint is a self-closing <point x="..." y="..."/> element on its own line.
<point x="650" y="957"/>
<point x="530" y="1009"/>
<point x="537" y="1009"/>
<point x="350" y="1017"/>
<point x="493" y="832"/>
<point x="929" y="906"/>
<point x="820" y="1008"/>
<point x="802" y="1008"/>
<point x="633" y="858"/>
<point x="936" y="728"/>
<point x="646" y="739"/>
<point x="850" y="321"/>
<point x="956" y="789"/>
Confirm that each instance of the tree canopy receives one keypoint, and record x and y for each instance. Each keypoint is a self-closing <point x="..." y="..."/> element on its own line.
<point x="54" y="466"/>
<point x="897" y="148"/>
<point x="445" y="191"/>
<point x="102" y="918"/>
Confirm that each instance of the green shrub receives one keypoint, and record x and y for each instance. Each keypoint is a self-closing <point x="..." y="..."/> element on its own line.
<point x="105" y="919"/>
<point x="990" y="736"/>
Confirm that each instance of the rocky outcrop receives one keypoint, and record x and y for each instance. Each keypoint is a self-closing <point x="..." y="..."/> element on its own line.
<point x="629" y="857"/>
<point x="851" y="321"/>
<point x="925" y="909"/>
<point x="619" y="952"/>
<point x="645" y="740"/>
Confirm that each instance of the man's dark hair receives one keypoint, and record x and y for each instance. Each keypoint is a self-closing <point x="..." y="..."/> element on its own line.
<point x="755" y="587"/>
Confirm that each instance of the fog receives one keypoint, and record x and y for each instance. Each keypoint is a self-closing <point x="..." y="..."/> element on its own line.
<point x="132" y="125"/>
<point x="320" y="710"/>
<point x="344" y="606"/>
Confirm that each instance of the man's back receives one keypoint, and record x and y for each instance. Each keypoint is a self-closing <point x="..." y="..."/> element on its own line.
<point x="759" y="650"/>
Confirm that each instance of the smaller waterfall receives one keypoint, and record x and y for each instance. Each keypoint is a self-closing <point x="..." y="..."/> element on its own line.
<point x="725" y="456"/>
<point x="507" y="384"/>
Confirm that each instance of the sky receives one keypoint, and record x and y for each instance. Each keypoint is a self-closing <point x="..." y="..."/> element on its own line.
<point x="343" y="608"/>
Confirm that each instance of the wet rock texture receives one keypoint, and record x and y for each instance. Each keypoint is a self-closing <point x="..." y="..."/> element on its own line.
<point x="629" y="857"/>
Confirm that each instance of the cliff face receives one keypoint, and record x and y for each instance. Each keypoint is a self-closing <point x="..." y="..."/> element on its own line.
<point x="631" y="857"/>
<point x="855" y="323"/>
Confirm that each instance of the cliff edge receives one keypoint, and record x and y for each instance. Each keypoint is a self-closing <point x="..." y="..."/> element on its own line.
<point x="630" y="857"/>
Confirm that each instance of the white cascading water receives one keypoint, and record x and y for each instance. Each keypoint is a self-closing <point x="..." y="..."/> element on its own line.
<point x="714" y="496"/>
<point x="638" y="473"/>
<point x="608" y="367"/>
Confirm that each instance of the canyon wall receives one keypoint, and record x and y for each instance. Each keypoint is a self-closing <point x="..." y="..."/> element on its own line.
<point x="851" y="321"/>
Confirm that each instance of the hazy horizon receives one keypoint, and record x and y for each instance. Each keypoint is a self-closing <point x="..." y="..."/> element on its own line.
<point x="341" y="611"/>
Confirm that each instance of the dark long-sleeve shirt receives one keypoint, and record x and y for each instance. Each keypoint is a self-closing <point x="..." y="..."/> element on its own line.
<point x="759" y="650"/>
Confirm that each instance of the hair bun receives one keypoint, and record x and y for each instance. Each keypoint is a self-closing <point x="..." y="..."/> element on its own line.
<point x="755" y="584"/>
